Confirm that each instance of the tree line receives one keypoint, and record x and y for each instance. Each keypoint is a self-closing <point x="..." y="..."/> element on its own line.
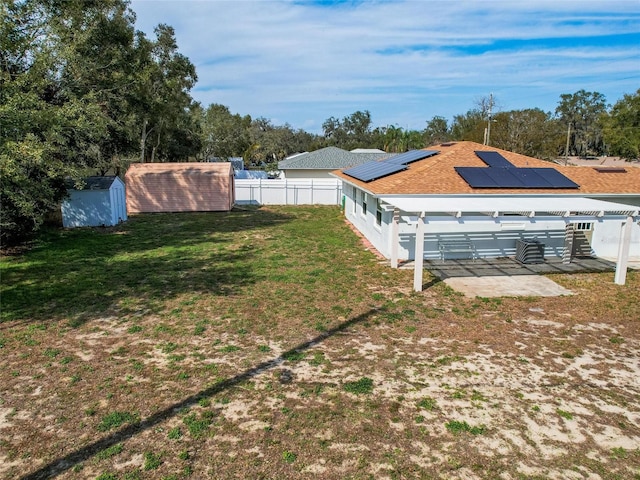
<point x="82" y="92"/>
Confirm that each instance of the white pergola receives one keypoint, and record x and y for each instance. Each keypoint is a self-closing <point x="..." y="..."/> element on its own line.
<point x="493" y="206"/>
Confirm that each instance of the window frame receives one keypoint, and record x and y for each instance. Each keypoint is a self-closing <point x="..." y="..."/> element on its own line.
<point x="363" y="201"/>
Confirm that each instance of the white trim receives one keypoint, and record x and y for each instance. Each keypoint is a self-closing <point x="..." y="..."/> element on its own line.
<point x="533" y="205"/>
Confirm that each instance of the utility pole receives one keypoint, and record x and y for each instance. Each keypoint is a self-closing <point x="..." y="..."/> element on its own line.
<point x="488" y="137"/>
<point x="566" y="150"/>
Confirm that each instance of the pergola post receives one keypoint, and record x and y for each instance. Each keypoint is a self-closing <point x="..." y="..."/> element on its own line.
<point x="395" y="237"/>
<point x="569" y="235"/>
<point x="623" y="251"/>
<point x="418" y="260"/>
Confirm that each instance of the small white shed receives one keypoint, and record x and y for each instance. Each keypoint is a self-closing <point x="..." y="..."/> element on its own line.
<point x="99" y="202"/>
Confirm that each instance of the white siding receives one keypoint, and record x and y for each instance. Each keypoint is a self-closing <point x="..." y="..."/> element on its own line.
<point x="491" y="237"/>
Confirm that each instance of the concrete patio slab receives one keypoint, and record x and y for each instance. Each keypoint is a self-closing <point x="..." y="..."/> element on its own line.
<point x="507" y="286"/>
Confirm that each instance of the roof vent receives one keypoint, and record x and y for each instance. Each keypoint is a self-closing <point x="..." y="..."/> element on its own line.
<point x="447" y="144"/>
<point x="610" y="169"/>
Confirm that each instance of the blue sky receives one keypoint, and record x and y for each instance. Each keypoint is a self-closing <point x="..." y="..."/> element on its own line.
<point x="301" y="62"/>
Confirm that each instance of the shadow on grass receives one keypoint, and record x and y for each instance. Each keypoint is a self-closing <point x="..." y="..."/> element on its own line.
<point x="79" y="274"/>
<point x="67" y="462"/>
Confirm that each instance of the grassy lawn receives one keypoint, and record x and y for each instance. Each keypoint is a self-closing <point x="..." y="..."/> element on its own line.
<point x="268" y="343"/>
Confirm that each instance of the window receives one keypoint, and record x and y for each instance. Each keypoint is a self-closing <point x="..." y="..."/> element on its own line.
<point x="583" y="226"/>
<point x="355" y="199"/>
<point x="364" y="203"/>
<point x="378" y="212"/>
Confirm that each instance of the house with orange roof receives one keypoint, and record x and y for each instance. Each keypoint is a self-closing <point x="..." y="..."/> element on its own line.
<point x="468" y="200"/>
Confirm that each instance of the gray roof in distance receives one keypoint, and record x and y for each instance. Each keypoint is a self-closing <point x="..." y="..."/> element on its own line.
<point x="329" y="158"/>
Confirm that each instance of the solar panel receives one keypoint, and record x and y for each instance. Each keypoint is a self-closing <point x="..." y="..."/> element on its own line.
<point x="373" y="170"/>
<point x="476" y="177"/>
<point x="532" y="179"/>
<point x="494" y="159"/>
<point x="483" y="177"/>
<point x="506" y="177"/>
<point x="411" y="156"/>
<point x="555" y="178"/>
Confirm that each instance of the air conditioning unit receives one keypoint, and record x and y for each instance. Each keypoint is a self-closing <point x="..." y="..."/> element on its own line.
<point x="529" y="251"/>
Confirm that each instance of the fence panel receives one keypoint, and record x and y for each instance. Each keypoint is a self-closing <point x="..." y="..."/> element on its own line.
<point x="299" y="191"/>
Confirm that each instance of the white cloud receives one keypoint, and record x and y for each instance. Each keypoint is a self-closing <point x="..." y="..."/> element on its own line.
<point x="405" y="61"/>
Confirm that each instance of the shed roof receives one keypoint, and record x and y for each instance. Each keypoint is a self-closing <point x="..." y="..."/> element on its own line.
<point x="91" y="183"/>
<point x="188" y="168"/>
<point x="329" y="158"/>
<point x="436" y="175"/>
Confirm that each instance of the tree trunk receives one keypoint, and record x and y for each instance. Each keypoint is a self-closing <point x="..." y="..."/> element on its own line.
<point x="143" y="139"/>
<point x="155" y="148"/>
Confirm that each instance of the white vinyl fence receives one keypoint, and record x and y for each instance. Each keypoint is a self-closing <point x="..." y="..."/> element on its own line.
<point x="298" y="191"/>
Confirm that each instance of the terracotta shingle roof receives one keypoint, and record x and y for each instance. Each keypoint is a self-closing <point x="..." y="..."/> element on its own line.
<point x="436" y="175"/>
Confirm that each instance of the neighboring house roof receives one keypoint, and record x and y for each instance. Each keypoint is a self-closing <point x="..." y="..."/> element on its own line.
<point x="329" y="158"/>
<point x="91" y="183"/>
<point x="250" y="174"/>
<point x="237" y="162"/>
<point x="436" y="175"/>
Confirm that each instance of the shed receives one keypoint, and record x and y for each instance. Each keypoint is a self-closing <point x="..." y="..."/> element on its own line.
<point x="180" y="187"/>
<point x="96" y="201"/>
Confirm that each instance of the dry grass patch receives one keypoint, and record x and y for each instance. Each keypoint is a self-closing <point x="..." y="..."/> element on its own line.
<point x="267" y="343"/>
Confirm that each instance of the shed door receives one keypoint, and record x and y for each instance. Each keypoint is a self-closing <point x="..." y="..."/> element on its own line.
<point x="118" y="207"/>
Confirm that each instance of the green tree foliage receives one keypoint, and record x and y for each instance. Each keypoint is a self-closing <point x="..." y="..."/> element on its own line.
<point x="76" y="85"/>
<point x="621" y="127"/>
<point x="396" y="140"/>
<point x="530" y="132"/>
<point x="46" y="131"/>
<point x="580" y="112"/>
<point x="353" y="131"/>
<point x="469" y="126"/>
<point x="224" y="135"/>
<point x="271" y="143"/>
<point x="165" y="78"/>
<point x="437" y="131"/>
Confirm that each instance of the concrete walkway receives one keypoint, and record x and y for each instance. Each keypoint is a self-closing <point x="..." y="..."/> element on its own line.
<point x="506" y="277"/>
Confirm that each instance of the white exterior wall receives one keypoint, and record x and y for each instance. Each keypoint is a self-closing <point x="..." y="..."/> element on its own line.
<point x="491" y="237"/>
<point x="606" y="238"/>
<point x="378" y="235"/>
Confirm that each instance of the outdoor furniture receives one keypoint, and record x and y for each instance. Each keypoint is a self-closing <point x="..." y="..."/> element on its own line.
<point x="456" y="246"/>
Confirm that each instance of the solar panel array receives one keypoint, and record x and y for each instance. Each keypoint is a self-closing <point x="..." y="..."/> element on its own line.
<point x="494" y="159"/>
<point x="411" y="156"/>
<point x="497" y="177"/>
<point x="373" y="170"/>
<point x="501" y="173"/>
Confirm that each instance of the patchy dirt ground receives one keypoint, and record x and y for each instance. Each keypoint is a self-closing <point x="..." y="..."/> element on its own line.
<point x="196" y="349"/>
<point x="532" y="393"/>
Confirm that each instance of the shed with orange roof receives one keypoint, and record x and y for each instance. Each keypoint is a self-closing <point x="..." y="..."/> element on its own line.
<point x="180" y="187"/>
